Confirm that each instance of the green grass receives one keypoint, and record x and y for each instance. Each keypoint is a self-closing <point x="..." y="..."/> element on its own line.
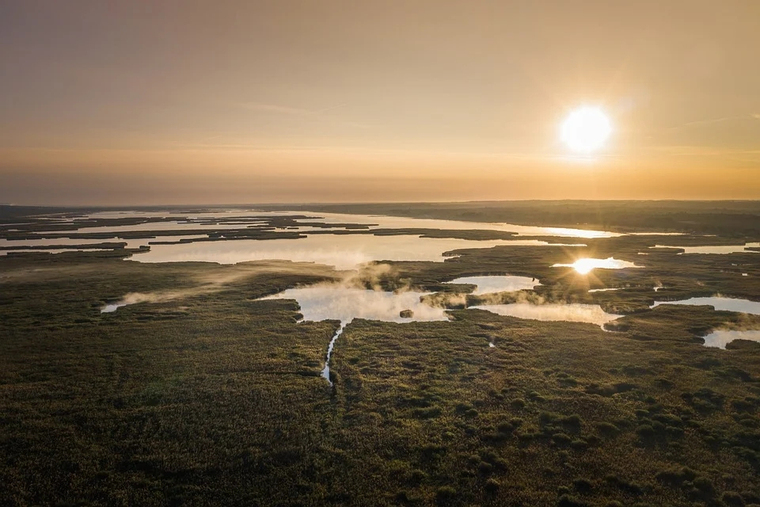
<point x="215" y="398"/>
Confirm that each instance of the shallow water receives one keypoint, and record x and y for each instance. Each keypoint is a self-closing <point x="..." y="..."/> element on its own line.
<point x="336" y="302"/>
<point x="492" y="284"/>
<point x="229" y="217"/>
<point x="605" y="290"/>
<point x="67" y="244"/>
<point x="342" y="251"/>
<point x="714" y="249"/>
<point x="51" y="250"/>
<point x="391" y="222"/>
<point x="719" y="303"/>
<point x="721" y="338"/>
<point x="16" y="243"/>
<point x="574" y="312"/>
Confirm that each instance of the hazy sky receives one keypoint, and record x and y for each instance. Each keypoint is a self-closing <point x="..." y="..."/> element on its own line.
<point x="140" y="102"/>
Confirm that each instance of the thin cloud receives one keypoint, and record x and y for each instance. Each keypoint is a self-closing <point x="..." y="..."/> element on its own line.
<point x="712" y="121"/>
<point x="298" y="112"/>
<point x="276" y="109"/>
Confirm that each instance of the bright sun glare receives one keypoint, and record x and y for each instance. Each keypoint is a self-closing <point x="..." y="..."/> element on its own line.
<point x="584" y="266"/>
<point x="586" y="129"/>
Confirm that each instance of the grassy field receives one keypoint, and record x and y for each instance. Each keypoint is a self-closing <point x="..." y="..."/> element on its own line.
<point x="209" y="396"/>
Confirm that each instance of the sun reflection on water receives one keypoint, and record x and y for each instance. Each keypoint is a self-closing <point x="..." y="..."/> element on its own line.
<point x="587" y="264"/>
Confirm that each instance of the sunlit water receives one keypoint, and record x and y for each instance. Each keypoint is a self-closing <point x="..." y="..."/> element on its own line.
<point x="588" y="264"/>
<point x="721" y="338"/>
<point x="335" y="302"/>
<point x="719" y="303"/>
<point x="492" y="284"/>
<point x="592" y="314"/>
<point x="714" y="249"/>
<point x="342" y="251"/>
<point x="229" y="219"/>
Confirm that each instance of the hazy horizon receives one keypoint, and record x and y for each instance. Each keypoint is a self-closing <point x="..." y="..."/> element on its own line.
<point x="294" y="101"/>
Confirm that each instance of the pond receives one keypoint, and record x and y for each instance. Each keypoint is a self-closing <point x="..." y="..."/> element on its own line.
<point x="493" y="284"/>
<point x="719" y="303"/>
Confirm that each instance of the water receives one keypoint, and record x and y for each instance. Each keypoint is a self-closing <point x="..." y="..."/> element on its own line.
<point x="237" y="217"/>
<point x="345" y="251"/>
<point x="592" y="314"/>
<point x="714" y="249"/>
<point x="605" y="290"/>
<point x="51" y="250"/>
<point x="60" y="245"/>
<point x="112" y="307"/>
<point x="719" y="303"/>
<point x="390" y="222"/>
<point x="341" y="251"/>
<point x="20" y="243"/>
<point x="721" y="338"/>
<point x="337" y="302"/>
<point x="587" y="264"/>
<point x="492" y="284"/>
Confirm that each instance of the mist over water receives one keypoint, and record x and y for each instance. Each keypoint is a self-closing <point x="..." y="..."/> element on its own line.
<point x="592" y="314"/>
<point x="339" y="302"/>
<point x="493" y="284"/>
<point x="719" y="303"/>
<point x="341" y="251"/>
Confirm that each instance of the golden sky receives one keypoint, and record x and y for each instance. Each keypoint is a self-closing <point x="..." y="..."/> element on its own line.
<point x="149" y="102"/>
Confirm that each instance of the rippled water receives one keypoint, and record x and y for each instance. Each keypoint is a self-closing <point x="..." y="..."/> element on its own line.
<point x="719" y="303"/>
<point x="492" y="284"/>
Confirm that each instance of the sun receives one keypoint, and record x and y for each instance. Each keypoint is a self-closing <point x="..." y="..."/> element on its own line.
<point x="586" y="129"/>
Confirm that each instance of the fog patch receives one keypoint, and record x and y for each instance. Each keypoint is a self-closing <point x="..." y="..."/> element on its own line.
<point x="571" y="312"/>
<point x="346" y="301"/>
<point x="493" y="284"/>
<point x="340" y="302"/>
<point x="217" y="281"/>
<point x="719" y="303"/>
<point x="139" y="297"/>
